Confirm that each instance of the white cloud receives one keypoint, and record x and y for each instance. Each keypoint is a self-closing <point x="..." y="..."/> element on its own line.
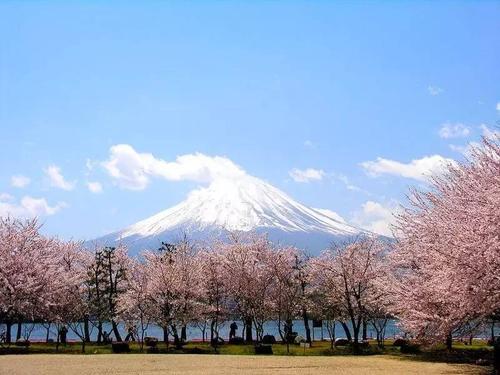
<point x="418" y="169"/>
<point x="457" y="130"/>
<point x="56" y="179"/>
<point x="20" y="181"/>
<point x="133" y="170"/>
<point x="434" y="90"/>
<point x="306" y="175"/>
<point x="376" y="217"/>
<point x="498" y="106"/>
<point x="28" y="207"/>
<point x="94" y="187"/>
<point x="308" y="144"/>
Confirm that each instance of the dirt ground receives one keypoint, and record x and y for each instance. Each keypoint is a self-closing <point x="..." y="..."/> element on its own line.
<point x="105" y="364"/>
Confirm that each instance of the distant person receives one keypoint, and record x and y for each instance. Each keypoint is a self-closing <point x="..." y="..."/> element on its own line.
<point x="62" y="334"/>
<point x="105" y="337"/>
<point x="232" y="330"/>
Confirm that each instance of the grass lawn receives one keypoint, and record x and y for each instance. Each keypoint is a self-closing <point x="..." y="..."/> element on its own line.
<point x="198" y="357"/>
<point x="110" y="364"/>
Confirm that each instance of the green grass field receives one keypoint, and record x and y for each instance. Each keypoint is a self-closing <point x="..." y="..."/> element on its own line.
<point x="460" y="354"/>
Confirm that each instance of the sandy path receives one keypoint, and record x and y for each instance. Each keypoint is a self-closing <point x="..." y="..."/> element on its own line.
<point x="105" y="364"/>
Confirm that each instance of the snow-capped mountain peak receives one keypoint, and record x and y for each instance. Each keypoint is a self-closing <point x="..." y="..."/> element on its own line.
<point x="240" y="204"/>
<point x="244" y="204"/>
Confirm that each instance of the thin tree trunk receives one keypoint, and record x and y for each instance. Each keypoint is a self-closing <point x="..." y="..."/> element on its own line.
<point x="306" y="325"/>
<point x="177" y="342"/>
<point x="365" y="330"/>
<point x="8" y="334"/>
<point x="493" y="331"/>
<point x="212" y="325"/>
<point x="86" y="330"/>
<point x="165" y="335"/>
<point x="449" y="341"/>
<point x="48" y="333"/>
<point x="99" y="332"/>
<point x="19" y="330"/>
<point x="183" y="333"/>
<point x="248" y="329"/>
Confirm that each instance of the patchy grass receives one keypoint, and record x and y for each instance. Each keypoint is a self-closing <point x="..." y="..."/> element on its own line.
<point x="460" y="353"/>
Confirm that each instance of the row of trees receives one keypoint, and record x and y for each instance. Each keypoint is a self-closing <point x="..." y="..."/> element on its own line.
<point x="55" y="282"/>
<point x="441" y="277"/>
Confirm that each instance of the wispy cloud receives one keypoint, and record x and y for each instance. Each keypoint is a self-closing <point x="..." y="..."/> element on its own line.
<point x="94" y="187"/>
<point x="19" y="181"/>
<point x="457" y="130"/>
<point x="434" y="90"/>
<point x="418" y="169"/>
<point x="347" y="182"/>
<point x="57" y="180"/>
<point x="489" y="132"/>
<point x="306" y="175"/>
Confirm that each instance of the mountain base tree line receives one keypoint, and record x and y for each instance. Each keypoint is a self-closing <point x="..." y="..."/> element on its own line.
<point x="440" y="277"/>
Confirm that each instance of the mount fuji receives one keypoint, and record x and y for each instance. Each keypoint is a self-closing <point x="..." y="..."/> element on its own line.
<point x="243" y="204"/>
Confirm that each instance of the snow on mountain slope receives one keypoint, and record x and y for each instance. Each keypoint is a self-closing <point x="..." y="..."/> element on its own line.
<point x="242" y="204"/>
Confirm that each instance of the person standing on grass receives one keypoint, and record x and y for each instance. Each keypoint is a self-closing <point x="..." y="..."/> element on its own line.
<point x="232" y="330"/>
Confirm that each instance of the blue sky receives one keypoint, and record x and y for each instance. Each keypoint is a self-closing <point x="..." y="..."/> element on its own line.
<point x="352" y="91"/>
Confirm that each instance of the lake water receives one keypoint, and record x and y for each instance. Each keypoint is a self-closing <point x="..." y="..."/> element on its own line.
<point x="39" y="332"/>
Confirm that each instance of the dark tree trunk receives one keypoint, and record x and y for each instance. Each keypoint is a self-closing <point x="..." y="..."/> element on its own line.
<point x="449" y="341"/>
<point x="115" y="330"/>
<point x="212" y="328"/>
<point x="248" y="328"/>
<point x="19" y="330"/>
<point x="496" y="355"/>
<point x="493" y="331"/>
<point x="165" y="335"/>
<point x="306" y="325"/>
<point x="346" y="330"/>
<point x="177" y="342"/>
<point x="183" y="333"/>
<point x="355" y="334"/>
<point x="86" y="330"/>
<point x="365" y="330"/>
<point x="8" y="334"/>
<point x="99" y="332"/>
<point x="47" y="335"/>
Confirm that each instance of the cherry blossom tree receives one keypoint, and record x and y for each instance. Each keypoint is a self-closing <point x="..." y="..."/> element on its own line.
<point x="72" y="304"/>
<point x="447" y="257"/>
<point x="249" y="280"/>
<point x="174" y="286"/>
<point x="215" y="296"/>
<point x="286" y="292"/>
<point x="28" y="266"/>
<point x="348" y="275"/>
<point x="135" y="304"/>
